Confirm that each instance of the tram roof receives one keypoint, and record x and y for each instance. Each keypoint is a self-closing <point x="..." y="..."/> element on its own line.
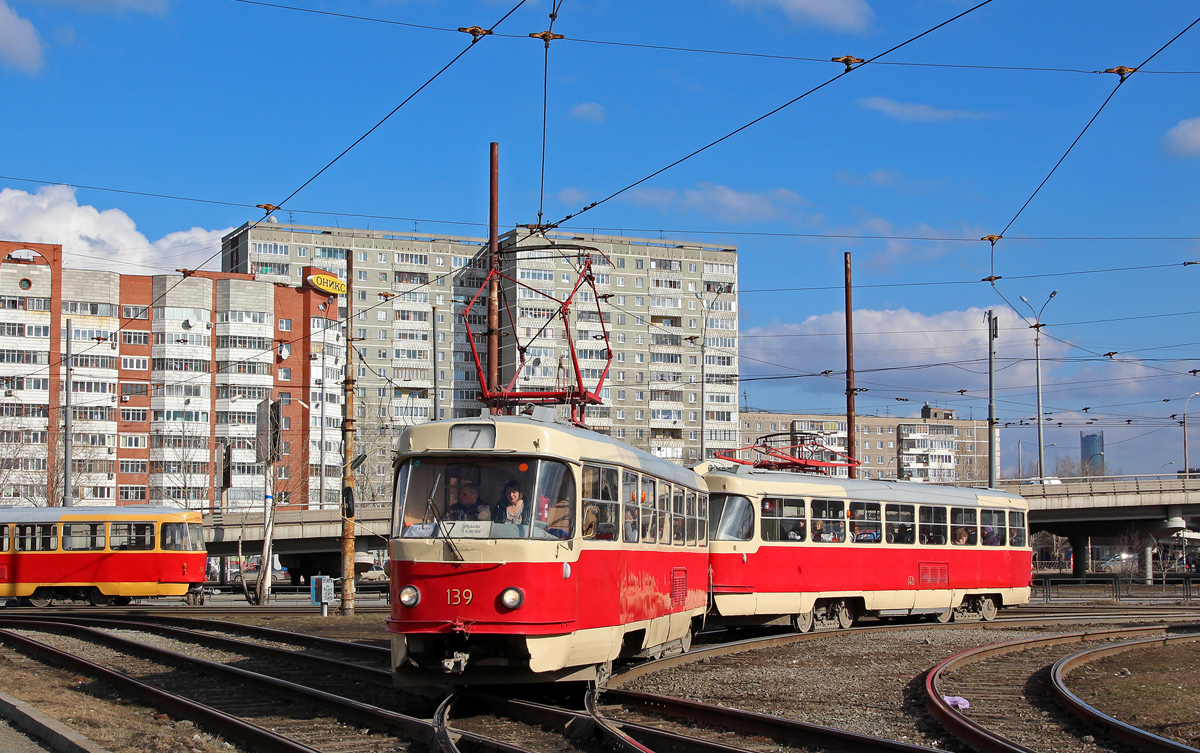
<point x="875" y="490"/>
<point x="591" y="445"/>
<point x="27" y="514"/>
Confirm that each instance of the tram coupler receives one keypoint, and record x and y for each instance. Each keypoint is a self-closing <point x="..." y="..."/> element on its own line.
<point x="456" y="664"/>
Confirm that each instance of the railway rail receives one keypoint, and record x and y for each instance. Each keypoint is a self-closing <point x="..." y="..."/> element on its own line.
<point x="1011" y="680"/>
<point x="356" y="705"/>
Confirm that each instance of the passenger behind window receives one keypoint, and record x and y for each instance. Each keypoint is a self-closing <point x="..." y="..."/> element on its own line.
<point x="631" y="524"/>
<point x="989" y="537"/>
<point x="794" y="530"/>
<point x="511" y="506"/>
<point x="961" y="537"/>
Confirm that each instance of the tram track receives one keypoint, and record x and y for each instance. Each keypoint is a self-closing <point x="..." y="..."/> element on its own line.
<point x="1013" y="705"/>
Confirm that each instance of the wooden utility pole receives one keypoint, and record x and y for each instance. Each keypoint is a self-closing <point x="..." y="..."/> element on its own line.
<point x="851" y="450"/>
<point x="493" y="332"/>
<point x="348" y="449"/>
<point x="993" y="445"/>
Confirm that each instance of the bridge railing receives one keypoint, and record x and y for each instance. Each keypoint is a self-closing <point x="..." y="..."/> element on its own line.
<point x="1100" y="485"/>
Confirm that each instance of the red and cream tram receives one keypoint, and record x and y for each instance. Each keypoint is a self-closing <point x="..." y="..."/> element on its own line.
<point x="823" y="550"/>
<point x="525" y="549"/>
<point x="105" y="555"/>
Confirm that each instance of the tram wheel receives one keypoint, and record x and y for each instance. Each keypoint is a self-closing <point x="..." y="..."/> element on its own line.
<point x="803" y="622"/>
<point x="122" y="601"/>
<point x="98" y="599"/>
<point x="987" y="608"/>
<point x="944" y="616"/>
<point x="845" y="618"/>
<point x="40" y="602"/>
<point x="603" y="673"/>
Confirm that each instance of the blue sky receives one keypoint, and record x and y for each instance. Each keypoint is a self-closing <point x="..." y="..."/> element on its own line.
<point x="237" y="104"/>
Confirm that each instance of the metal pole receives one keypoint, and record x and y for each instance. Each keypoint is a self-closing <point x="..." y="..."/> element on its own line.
<point x="433" y="353"/>
<point x="348" y="450"/>
<point x="1020" y="461"/>
<point x="493" y="333"/>
<point x="68" y="444"/>
<point x="993" y="444"/>
<point x="703" y="382"/>
<point x="321" y="449"/>
<point x="1037" y="357"/>
<point x="266" y="567"/>
<point x="852" y="470"/>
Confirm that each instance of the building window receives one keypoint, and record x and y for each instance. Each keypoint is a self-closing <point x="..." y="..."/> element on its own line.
<point x="285" y="325"/>
<point x="285" y="375"/>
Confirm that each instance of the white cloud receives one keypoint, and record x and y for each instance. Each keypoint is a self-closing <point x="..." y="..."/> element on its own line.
<point x="1184" y="138"/>
<point x="724" y="203"/>
<point x="589" y="111"/>
<point x="839" y="15"/>
<point x="101" y="239"/>
<point x="572" y="196"/>
<point x="20" y="45"/>
<point x="912" y="112"/>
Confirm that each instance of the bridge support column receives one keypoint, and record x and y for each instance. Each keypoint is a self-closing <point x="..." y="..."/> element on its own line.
<point x="1081" y="555"/>
<point x="1148" y="563"/>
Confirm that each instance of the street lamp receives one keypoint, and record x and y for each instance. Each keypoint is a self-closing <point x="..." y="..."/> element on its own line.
<point x="1164" y="465"/>
<point x="1037" y="355"/>
<point x="1187" y="469"/>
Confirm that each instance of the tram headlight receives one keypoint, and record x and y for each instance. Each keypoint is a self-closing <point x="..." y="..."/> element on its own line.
<point x="512" y="598"/>
<point x="410" y="596"/>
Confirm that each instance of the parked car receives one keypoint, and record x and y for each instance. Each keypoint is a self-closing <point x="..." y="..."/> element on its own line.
<point x="376" y="574"/>
<point x="279" y="576"/>
<point x="1115" y="563"/>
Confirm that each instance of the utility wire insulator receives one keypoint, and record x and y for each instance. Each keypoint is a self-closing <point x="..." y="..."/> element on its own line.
<point x="991" y="278"/>
<point x="991" y="238"/>
<point x="849" y="61"/>
<point x="267" y="207"/>
<point x="475" y="31"/>
<point x="1123" y="71"/>
<point x="547" y="36"/>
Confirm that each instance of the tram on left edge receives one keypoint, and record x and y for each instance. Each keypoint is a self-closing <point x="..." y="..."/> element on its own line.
<point x="524" y="549"/>
<point x="103" y="555"/>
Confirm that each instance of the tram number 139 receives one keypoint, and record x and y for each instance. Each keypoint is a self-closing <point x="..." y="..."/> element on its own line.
<point x="456" y="596"/>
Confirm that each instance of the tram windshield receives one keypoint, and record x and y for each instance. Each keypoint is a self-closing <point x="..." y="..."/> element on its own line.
<point x="731" y="518"/>
<point x="484" y="498"/>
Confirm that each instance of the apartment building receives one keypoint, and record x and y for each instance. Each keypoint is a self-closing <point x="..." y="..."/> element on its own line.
<point x="933" y="447"/>
<point x="164" y="373"/>
<point x="669" y="310"/>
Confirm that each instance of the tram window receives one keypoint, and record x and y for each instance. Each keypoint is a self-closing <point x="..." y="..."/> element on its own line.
<point x="649" y="518"/>
<point x="83" y="537"/>
<point x="1016" y="527"/>
<point x="933" y="525"/>
<point x="782" y="519"/>
<point x="629" y="493"/>
<point x="732" y="518"/>
<point x="992" y="528"/>
<point x="828" y="520"/>
<point x="37" y="537"/>
<point x="664" y="512"/>
<point x="962" y="523"/>
<point x="702" y="520"/>
<point x="555" y="498"/>
<point x="678" y="517"/>
<point x="899" y="519"/>
<point x="4" y="536"/>
<point x="864" y="522"/>
<point x="195" y="537"/>
<point x="691" y="518"/>
<point x="602" y="515"/>
<point x="131" y="536"/>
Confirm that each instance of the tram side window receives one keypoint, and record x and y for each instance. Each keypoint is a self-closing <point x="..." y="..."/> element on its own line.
<point x="602" y="511"/>
<point x="131" y="536"/>
<point x="732" y="518"/>
<point x="37" y="537"/>
<point x="702" y="520"/>
<point x="196" y="537"/>
<point x="1016" y="527"/>
<point x="173" y="537"/>
<point x="555" y="497"/>
<point x="933" y="525"/>
<point x="900" y="519"/>
<point x="4" y="537"/>
<point x="828" y="520"/>
<point x="962" y="523"/>
<point x="664" y="512"/>
<point x="864" y="522"/>
<point x="83" y="537"/>
<point x="649" y="518"/>
<point x="993" y="530"/>
<point x="678" y="517"/>
<point x="782" y="519"/>
<point x="629" y="493"/>
<point x="691" y="518"/>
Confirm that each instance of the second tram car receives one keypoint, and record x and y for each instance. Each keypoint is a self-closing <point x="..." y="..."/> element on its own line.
<point x="525" y="549"/>
<point x="105" y="555"/>
<point x="822" y="551"/>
